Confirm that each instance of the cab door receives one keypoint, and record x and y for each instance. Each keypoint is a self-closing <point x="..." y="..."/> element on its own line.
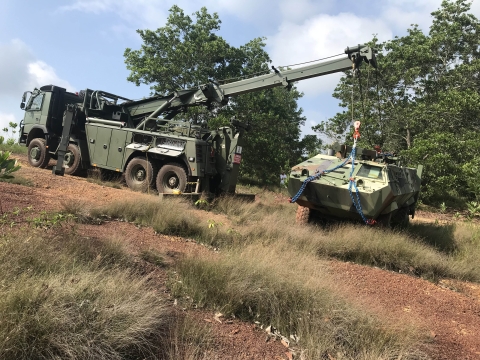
<point x="33" y="111"/>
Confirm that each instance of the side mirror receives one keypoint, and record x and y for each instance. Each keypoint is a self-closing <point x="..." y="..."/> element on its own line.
<point x="22" y="105"/>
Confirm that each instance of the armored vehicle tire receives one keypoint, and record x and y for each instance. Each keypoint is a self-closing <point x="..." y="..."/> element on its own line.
<point x="401" y="219"/>
<point x="171" y="177"/>
<point x="38" y="156"/>
<point x="72" y="160"/>
<point x="139" y="174"/>
<point x="385" y="221"/>
<point x="303" y="215"/>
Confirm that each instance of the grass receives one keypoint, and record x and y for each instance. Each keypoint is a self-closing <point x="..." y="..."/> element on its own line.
<point x="18" y="180"/>
<point x="187" y="339"/>
<point x="14" y="149"/>
<point x="292" y="292"/>
<point x="427" y="250"/>
<point x="167" y="216"/>
<point x="271" y="270"/>
<point x="105" y="178"/>
<point x="68" y="297"/>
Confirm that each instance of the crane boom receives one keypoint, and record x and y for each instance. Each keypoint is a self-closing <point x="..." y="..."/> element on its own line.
<point x="212" y="92"/>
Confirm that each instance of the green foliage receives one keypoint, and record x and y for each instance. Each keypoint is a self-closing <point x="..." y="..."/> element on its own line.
<point x="273" y="143"/>
<point x="183" y="53"/>
<point x="473" y="208"/>
<point x="7" y="166"/>
<point x="10" y="140"/>
<point x="187" y="52"/>
<point x="424" y="102"/>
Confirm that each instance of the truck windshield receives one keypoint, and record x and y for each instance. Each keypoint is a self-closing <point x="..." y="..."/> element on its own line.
<point x="36" y="102"/>
<point x="370" y="172"/>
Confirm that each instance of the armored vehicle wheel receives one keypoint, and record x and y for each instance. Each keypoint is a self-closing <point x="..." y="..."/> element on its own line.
<point x="401" y="219"/>
<point x="139" y="174"/>
<point x="385" y="221"/>
<point x="171" y="177"/>
<point x="72" y="160"/>
<point x="303" y="215"/>
<point x="38" y="156"/>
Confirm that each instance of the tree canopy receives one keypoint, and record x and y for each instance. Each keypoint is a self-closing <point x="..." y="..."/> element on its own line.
<point x="187" y="52"/>
<point x="424" y="102"/>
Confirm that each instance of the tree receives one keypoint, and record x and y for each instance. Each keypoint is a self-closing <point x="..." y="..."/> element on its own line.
<point x="183" y="54"/>
<point x="187" y="52"/>
<point x="426" y="101"/>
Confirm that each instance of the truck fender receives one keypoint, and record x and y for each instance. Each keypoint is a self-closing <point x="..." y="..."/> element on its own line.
<point x="37" y="131"/>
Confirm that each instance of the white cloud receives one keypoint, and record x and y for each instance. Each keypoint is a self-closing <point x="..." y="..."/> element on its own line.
<point x="319" y="37"/>
<point x="142" y="14"/>
<point x="153" y="13"/>
<point x="401" y="14"/>
<point x="41" y="74"/>
<point x="20" y="71"/>
<point x="14" y="59"/>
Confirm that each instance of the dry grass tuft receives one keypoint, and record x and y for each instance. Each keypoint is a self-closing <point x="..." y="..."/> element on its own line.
<point x="186" y="339"/>
<point x="292" y="292"/>
<point x="167" y="216"/>
<point x="105" y="178"/>
<point x="67" y="297"/>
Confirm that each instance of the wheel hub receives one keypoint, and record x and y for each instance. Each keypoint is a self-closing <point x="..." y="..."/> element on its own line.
<point x="69" y="158"/>
<point x="140" y="175"/>
<point x="35" y="153"/>
<point x="172" y="182"/>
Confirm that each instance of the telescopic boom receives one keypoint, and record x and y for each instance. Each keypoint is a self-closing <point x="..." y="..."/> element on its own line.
<point x="212" y="92"/>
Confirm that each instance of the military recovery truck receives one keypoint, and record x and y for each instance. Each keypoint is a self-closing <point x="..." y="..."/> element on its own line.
<point x="143" y="140"/>
<point x="355" y="184"/>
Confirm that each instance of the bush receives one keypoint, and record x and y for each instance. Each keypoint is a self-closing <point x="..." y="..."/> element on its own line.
<point x="7" y="166"/>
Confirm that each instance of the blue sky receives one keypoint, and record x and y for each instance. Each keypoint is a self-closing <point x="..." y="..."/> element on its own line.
<point x="80" y="43"/>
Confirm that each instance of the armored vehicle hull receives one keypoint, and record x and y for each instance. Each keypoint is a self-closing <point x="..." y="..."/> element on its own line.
<point x="374" y="192"/>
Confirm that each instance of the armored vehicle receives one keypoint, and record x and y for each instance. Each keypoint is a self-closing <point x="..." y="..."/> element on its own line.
<point x="366" y="185"/>
<point x="141" y="138"/>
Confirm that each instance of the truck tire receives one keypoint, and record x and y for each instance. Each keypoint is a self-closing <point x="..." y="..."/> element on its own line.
<point x="139" y="174"/>
<point x="400" y="219"/>
<point x="72" y="160"/>
<point x="303" y="215"/>
<point x="171" y="177"/>
<point x="38" y="156"/>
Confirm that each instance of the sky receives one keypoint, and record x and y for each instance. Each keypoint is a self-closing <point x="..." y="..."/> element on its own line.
<point x="80" y="43"/>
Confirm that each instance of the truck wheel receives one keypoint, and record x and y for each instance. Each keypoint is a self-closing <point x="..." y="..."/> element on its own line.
<point x="139" y="174"/>
<point x="303" y="215"/>
<point x="72" y="160"/>
<point x="38" y="156"/>
<point x="171" y="177"/>
<point x="401" y="219"/>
